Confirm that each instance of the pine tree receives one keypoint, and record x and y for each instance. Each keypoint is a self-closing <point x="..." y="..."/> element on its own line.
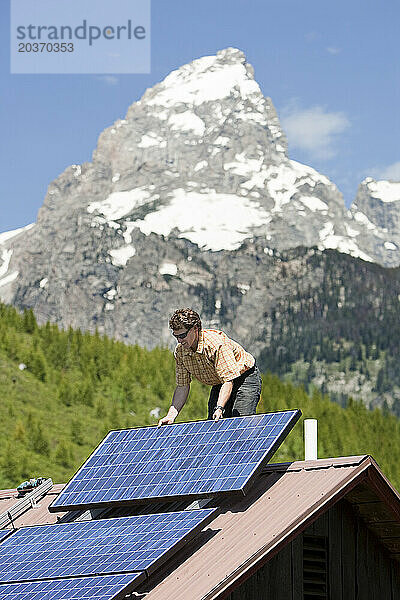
<point x="29" y="321"/>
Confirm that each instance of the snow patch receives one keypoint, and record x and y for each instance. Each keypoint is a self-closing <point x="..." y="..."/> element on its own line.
<point x="243" y="165"/>
<point x="128" y="233"/>
<point x="77" y="170"/>
<point x="110" y="295"/>
<point x="200" y="165"/>
<point x="313" y="203"/>
<point x="6" y="257"/>
<point x="351" y="232"/>
<point x="386" y="191"/>
<point x="390" y="246"/>
<point x="120" y="256"/>
<point x="253" y="116"/>
<point x="120" y="204"/>
<point x="243" y="287"/>
<point x="7" y="235"/>
<point x="113" y="224"/>
<point x="283" y="182"/>
<point x="151" y="139"/>
<point x="43" y="282"/>
<point x="360" y="217"/>
<point x="337" y="242"/>
<point x="116" y="177"/>
<point x="168" y="268"/>
<point x="308" y="173"/>
<point x="222" y="140"/>
<point x="209" y="219"/>
<point x="9" y="279"/>
<point x="204" y="80"/>
<point x="187" y="121"/>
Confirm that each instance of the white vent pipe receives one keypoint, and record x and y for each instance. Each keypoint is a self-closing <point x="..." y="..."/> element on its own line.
<point x="310" y="439"/>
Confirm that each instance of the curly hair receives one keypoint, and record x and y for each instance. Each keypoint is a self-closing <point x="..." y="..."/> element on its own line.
<point x="185" y="318"/>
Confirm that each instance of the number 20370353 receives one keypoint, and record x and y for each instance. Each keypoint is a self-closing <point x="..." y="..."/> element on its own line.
<point x="46" y="47"/>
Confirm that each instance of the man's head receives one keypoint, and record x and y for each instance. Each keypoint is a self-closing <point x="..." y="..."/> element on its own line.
<point x="186" y="326"/>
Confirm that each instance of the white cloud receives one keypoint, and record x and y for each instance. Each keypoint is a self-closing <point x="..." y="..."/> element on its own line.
<point x="314" y="129"/>
<point x="391" y="172"/>
<point x="108" y="79"/>
<point x="333" y="50"/>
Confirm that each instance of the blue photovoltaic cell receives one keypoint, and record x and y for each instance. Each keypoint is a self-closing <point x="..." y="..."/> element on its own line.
<point x="4" y="533"/>
<point x="80" y="588"/>
<point x="197" y="458"/>
<point x="96" y="547"/>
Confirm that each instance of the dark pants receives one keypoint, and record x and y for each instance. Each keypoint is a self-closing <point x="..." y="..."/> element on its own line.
<point x="245" y="395"/>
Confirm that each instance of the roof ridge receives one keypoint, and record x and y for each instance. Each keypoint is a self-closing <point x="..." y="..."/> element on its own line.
<point x="320" y="463"/>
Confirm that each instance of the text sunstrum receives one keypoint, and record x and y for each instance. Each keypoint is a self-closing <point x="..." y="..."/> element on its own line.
<point x="85" y="31"/>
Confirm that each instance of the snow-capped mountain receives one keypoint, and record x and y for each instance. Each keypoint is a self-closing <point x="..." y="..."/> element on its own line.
<point x="199" y="166"/>
<point x="377" y="207"/>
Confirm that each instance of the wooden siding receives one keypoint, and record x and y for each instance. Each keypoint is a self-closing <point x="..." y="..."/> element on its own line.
<point x="359" y="566"/>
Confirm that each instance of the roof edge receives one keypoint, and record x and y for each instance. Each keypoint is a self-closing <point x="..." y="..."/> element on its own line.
<point x="384" y="489"/>
<point x="363" y="466"/>
<point x="320" y="463"/>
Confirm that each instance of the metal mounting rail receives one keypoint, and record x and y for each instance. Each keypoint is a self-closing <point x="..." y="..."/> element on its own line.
<point x="28" y="501"/>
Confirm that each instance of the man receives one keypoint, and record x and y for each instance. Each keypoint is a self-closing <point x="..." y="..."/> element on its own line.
<point x="216" y="360"/>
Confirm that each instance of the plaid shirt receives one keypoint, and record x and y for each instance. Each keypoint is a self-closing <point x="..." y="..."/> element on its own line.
<point x="216" y="360"/>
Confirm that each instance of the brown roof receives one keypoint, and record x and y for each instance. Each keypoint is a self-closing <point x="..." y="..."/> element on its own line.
<point x="286" y="499"/>
<point x="39" y="515"/>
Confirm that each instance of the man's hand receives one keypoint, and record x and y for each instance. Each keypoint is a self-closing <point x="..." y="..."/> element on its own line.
<point x="223" y="397"/>
<point x="166" y="421"/>
<point x="218" y="413"/>
<point x="169" y="417"/>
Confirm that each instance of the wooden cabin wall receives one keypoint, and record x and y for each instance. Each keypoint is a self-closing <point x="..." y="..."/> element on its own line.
<point x="359" y="567"/>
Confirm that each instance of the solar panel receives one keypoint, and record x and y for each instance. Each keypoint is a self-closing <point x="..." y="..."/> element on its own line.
<point x="200" y="458"/>
<point x="109" y="587"/>
<point x="4" y="533"/>
<point x="106" y="546"/>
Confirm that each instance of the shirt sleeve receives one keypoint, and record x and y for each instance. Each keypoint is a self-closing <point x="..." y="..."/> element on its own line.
<point x="182" y="375"/>
<point x="225" y="364"/>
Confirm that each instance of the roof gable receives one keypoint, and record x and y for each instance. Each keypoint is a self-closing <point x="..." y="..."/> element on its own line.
<point x="286" y="499"/>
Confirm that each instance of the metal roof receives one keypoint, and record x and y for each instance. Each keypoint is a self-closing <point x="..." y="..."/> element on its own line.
<point x="285" y="499"/>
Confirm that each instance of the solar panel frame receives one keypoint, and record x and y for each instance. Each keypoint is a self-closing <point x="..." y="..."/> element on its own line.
<point x="106" y="587"/>
<point x="133" y="544"/>
<point x="143" y="447"/>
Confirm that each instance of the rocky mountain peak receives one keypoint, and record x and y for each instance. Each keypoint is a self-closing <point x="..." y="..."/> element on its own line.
<point x="198" y="167"/>
<point x="206" y="79"/>
<point x="200" y="104"/>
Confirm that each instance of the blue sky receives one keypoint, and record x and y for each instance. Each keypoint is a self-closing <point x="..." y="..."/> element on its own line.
<point x="332" y="70"/>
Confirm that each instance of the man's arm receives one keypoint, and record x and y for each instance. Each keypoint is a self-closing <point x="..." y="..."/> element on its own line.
<point x="223" y="397"/>
<point x="179" y="398"/>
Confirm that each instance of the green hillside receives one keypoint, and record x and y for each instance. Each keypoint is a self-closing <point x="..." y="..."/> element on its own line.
<point x="61" y="391"/>
<point x="339" y="332"/>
